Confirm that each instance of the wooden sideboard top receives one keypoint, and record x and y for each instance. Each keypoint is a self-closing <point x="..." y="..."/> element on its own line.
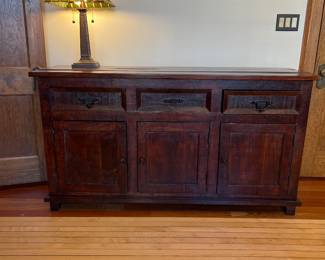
<point x="176" y="73"/>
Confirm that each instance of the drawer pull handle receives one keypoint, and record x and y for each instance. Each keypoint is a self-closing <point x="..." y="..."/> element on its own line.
<point x="261" y="105"/>
<point x="173" y="101"/>
<point x="88" y="101"/>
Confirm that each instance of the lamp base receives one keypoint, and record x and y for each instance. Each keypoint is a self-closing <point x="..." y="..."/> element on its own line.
<point x="86" y="64"/>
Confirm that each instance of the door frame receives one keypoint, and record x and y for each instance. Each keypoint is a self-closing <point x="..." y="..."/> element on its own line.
<point x="313" y="23"/>
<point x="309" y="63"/>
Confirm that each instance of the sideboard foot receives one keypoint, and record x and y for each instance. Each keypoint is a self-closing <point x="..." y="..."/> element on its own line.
<point x="290" y="210"/>
<point x="47" y="199"/>
<point x="55" y="205"/>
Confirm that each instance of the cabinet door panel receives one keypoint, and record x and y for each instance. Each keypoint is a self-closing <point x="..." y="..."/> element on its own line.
<point x="91" y="156"/>
<point x="173" y="157"/>
<point x="255" y="159"/>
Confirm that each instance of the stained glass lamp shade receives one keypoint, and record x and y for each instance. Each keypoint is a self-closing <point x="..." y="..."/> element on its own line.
<point x="75" y="4"/>
<point x="86" y="61"/>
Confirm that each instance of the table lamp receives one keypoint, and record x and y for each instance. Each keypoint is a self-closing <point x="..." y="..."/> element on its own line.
<point x="86" y="61"/>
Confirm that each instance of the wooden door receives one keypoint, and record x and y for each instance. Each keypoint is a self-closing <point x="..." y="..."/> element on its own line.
<point x="91" y="157"/>
<point x="255" y="160"/>
<point x="22" y="47"/>
<point x="173" y="157"/>
<point x="313" y="56"/>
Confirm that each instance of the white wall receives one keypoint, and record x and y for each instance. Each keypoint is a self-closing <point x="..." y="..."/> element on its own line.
<point x="222" y="33"/>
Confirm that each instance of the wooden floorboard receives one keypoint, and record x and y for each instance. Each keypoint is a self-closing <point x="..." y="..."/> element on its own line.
<point x="160" y="238"/>
<point x="29" y="231"/>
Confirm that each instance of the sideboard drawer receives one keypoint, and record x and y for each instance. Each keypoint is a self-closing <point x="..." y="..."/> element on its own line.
<point x="174" y="100"/>
<point x="66" y="99"/>
<point x="257" y="102"/>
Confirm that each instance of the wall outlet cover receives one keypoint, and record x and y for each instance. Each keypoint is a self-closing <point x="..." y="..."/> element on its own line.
<point x="287" y="22"/>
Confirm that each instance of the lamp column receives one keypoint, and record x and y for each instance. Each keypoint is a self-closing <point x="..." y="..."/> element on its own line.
<point x="86" y="61"/>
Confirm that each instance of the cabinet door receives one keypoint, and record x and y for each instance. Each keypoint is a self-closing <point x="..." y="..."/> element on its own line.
<point x="255" y="160"/>
<point x="91" y="157"/>
<point x="173" y="157"/>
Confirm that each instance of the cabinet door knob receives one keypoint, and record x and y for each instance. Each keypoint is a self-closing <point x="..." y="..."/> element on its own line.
<point x="123" y="161"/>
<point x="142" y="160"/>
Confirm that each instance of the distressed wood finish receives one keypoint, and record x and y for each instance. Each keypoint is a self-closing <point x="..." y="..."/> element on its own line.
<point x="22" y="47"/>
<point x="161" y="149"/>
<point x="255" y="160"/>
<point x="185" y="142"/>
<point x="91" y="156"/>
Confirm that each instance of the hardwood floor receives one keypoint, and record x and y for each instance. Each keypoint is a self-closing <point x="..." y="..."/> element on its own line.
<point x="28" y="201"/>
<point x="28" y="232"/>
<point x="161" y="238"/>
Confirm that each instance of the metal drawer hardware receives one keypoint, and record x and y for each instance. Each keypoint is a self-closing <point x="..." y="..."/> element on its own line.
<point x="174" y="101"/>
<point x="88" y="101"/>
<point x="261" y="105"/>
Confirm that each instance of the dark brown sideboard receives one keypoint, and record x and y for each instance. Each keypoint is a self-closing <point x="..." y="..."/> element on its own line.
<point x="185" y="136"/>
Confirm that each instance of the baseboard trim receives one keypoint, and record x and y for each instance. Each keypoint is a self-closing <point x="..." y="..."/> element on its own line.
<point x="18" y="170"/>
<point x="312" y="178"/>
<point x="24" y="185"/>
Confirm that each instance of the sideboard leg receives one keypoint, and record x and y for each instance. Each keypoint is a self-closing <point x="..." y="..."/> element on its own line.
<point x="290" y="210"/>
<point x="55" y="205"/>
<point x="47" y="199"/>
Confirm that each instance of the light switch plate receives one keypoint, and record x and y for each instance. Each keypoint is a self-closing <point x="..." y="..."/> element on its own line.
<point x="287" y="22"/>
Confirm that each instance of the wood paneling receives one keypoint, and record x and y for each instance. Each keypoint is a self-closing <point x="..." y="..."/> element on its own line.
<point x="18" y="136"/>
<point x="15" y="81"/>
<point x="15" y="169"/>
<point x="13" y="40"/>
<point x="35" y="33"/>
<point x="22" y="47"/>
